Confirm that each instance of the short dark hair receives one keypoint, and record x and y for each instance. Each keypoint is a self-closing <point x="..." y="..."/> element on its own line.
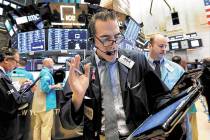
<point x="104" y="16"/>
<point x="7" y="52"/>
<point x="177" y="59"/>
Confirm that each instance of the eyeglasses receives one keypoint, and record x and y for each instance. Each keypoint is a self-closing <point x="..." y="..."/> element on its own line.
<point x="108" y="42"/>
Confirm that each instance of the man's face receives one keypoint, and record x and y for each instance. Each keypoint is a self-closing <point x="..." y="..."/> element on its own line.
<point x="107" y="33"/>
<point x="51" y="63"/>
<point x="11" y="62"/>
<point x="158" y="48"/>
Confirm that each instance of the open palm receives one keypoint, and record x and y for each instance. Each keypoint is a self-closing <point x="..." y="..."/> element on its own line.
<point x="78" y="82"/>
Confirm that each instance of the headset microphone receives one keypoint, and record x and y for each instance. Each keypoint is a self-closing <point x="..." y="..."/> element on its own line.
<point x="108" y="52"/>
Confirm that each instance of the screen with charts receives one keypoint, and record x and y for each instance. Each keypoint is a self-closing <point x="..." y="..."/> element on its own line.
<point x="132" y="30"/>
<point x="31" y="41"/>
<point x="10" y="27"/>
<point x="66" y="39"/>
<point x="131" y="34"/>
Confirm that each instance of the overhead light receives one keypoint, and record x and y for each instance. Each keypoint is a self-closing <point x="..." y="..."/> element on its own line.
<point x="13" y="5"/>
<point x="6" y="3"/>
<point x="1" y="1"/>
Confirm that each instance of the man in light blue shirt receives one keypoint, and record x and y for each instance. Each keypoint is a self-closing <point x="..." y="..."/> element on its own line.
<point x="19" y="75"/>
<point x="170" y="72"/>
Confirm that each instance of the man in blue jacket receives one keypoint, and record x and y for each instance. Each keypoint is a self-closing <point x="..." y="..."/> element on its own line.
<point x="44" y="102"/>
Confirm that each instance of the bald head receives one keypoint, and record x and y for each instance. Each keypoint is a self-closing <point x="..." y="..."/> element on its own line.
<point x="157" y="47"/>
<point x="48" y="62"/>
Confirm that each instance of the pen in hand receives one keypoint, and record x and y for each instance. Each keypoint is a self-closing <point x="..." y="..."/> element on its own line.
<point x="78" y="71"/>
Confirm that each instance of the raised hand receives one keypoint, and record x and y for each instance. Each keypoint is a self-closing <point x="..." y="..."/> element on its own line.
<point x="78" y="82"/>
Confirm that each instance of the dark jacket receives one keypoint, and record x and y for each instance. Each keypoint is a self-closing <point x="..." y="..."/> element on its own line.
<point x="137" y="102"/>
<point x="10" y="100"/>
<point x="205" y="80"/>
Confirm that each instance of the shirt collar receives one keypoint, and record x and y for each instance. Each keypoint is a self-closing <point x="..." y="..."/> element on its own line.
<point x="97" y="59"/>
<point x="152" y="60"/>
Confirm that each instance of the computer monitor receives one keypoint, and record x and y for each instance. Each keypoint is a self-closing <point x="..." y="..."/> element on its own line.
<point x="31" y="41"/>
<point x="174" y="45"/>
<point x="184" y="44"/>
<point x="10" y="27"/>
<point x="195" y="43"/>
<point x="132" y="29"/>
<point x="63" y="59"/>
<point x="67" y="39"/>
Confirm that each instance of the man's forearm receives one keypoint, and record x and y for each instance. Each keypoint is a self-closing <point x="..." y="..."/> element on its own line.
<point x="77" y="101"/>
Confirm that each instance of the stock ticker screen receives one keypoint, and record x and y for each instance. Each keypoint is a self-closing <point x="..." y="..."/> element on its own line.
<point x="31" y="41"/>
<point x="67" y="39"/>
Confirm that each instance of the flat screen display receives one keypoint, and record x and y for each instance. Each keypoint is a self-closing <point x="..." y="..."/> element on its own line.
<point x="184" y="44"/>
<point x="9" y="27"/>
<point x="174" y="45"/>
<point x="66" y="39"/>
<point x="63" y="59"/>
<point x="31" y="41"/>
<point x="132" y="30"/>
<point x="195" y="43"/>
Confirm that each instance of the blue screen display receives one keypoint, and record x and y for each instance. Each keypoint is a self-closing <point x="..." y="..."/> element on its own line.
<point x="31" y="41"/>
<point x="65" y="39"/>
